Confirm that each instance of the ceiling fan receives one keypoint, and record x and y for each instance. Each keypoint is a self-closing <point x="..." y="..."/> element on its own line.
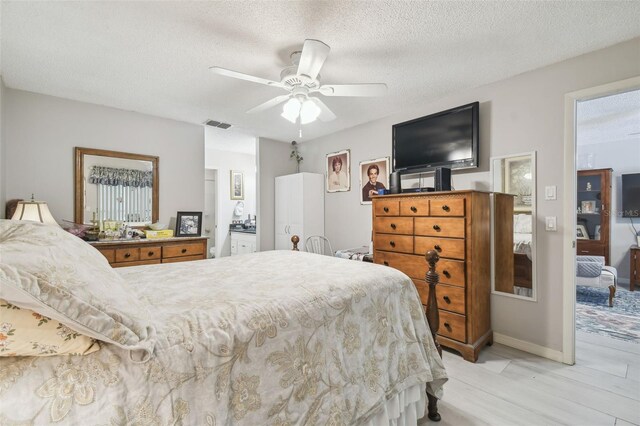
<point x="302" y="81"/>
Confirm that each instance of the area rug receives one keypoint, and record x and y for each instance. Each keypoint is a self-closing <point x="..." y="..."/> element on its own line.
<point x="593" y="314"/>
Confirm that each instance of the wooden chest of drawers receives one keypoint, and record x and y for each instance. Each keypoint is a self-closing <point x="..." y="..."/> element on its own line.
<point x="147" y="252"/>
<point x="457" y="225"/>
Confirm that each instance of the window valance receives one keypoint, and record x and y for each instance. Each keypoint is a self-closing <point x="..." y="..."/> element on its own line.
<point x="125" y="177"/>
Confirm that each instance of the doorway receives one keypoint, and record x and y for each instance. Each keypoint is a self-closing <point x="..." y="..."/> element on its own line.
<point x="210" y="219"/>
<point x="573" y="101"/>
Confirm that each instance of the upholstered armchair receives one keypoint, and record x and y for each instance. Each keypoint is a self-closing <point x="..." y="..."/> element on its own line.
<point x="592" y="272"/>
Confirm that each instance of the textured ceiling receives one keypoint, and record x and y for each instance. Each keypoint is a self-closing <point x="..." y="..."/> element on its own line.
<point x="153" y="57"/>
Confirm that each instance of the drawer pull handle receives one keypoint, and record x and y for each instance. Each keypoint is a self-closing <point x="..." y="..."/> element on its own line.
<point x="127" y="255"/>
<point x="446" y="299"/>
<point x="392" y="243"/>
<point x="445" y="208"/>
<point x="446" y="273"/>
<point x="447" y="326"/>
<point x="150" y="254"/>
<point x="393" y="226"/>
<point x="386" y="263"/>
<point x="184" y="250"/>
<point x="436" y="227"/>
<point x="437" y="247"/>
<point x="414" y="209"/>
<point x="386" y="209"/>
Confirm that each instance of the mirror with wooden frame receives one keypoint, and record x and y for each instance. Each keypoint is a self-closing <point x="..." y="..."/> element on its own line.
<point x="513" y="181"/>
<point x="118" y="186"/>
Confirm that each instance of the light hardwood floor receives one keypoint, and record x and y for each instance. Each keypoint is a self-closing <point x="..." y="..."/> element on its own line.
<point x="510" y="387"/>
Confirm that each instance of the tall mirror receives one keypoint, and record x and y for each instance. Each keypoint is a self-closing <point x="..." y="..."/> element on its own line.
<point x="513" y="179"/>
<point x="119" y="186"/>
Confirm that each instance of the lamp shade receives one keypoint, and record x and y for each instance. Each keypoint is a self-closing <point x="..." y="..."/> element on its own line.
<point x="36" y="211"/>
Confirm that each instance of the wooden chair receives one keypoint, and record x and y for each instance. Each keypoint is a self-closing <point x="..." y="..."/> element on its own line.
<point x="319" y="245"/>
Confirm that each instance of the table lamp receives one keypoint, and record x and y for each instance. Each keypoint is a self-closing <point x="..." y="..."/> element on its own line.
<point x="36" y="211"/>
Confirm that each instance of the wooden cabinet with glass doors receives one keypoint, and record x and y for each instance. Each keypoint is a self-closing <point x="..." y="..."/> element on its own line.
<point x="594" y="212"/>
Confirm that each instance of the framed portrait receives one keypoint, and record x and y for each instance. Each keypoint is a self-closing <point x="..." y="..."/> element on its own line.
<point x="188" y="224"/>
<point x="588" y="206"/>
<point x="338" y="171"/>
<point x="374" y="175"/>
<point x="518" y="177"/>
<point x="237" y="185"/>
<point x="581" y="232"/>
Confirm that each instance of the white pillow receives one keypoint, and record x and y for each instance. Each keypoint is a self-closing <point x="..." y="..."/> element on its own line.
<point x="52" y="272"/>
<point x="522" y="223"/>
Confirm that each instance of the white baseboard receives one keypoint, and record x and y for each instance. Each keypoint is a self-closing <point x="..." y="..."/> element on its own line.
<point x="528" y="347"/>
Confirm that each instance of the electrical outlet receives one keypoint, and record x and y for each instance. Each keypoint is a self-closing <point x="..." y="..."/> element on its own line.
<point x="550" y="223"/>
<point x="550" y="192"/>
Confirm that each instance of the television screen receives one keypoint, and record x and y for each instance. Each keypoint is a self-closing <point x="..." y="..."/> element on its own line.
<point x="631" y="195"/>
<point x="445" y="139"/>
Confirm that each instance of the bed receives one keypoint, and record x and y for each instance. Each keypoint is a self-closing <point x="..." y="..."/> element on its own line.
<point x="255" y="339"/>
<point x="522" y="264"/>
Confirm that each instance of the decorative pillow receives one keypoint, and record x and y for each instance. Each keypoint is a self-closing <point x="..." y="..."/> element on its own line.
<point x="27" y="333"/>
<point x="48" y="270"/>
<point x="522" y="223"/>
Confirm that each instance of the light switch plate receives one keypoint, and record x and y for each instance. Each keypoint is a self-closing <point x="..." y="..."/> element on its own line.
<point x="550" y="223"/>
<point x="550" y="192"/>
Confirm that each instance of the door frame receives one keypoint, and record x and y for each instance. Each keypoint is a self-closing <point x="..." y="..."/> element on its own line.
<point x="569" y="240"/>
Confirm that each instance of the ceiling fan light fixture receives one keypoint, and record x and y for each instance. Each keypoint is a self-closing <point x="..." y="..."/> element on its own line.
<point x="291" y="110"/>
<point x="309" y="112"/>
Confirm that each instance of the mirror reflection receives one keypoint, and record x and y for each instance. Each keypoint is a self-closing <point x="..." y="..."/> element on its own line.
<point x="515" y="211"/>
<point x="116" y="186"/>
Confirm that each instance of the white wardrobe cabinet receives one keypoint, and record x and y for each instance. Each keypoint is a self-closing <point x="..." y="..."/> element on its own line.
<point x="299" y="208"/>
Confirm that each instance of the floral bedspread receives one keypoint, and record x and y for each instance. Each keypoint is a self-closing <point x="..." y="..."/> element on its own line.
<point x="276" y="337"/>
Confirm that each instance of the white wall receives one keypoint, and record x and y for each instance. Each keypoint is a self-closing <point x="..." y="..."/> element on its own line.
<point x="41" y="131"/>
<point x="624" y="158"/>
<point x="224" y="162"/>
<point x="3" y="180"/>
<point x="520" y="114"/>
<point x="273" y="161"/>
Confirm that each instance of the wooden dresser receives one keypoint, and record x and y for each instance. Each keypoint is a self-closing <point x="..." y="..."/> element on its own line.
<point x="634" y="262"/>
<point x="457" y="225"/>
<point x="147" y="252"/>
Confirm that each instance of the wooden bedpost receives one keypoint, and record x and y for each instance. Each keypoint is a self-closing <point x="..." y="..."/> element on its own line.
<point x="433" y="318"/>
<point x="295" y="240"/>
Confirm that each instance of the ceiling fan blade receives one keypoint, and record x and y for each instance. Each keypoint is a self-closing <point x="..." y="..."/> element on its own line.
<point x="242" y="76"/>
<point x="325" y="113"/>
<point x="314" y="53"/>
<point x="270" y="103"/>
<point x="367" y="89"/>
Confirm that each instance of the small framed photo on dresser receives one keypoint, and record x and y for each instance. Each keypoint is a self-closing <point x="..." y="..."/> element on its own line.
<point x="188" y="224"/>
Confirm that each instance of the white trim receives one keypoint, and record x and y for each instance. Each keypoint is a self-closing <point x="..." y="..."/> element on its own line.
<point x="569" y="234"/>
<point x="528" y="347"/>
<point x="534" y="213"/>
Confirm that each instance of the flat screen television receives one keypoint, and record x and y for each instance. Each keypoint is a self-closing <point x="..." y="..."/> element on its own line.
<point x="445" y="139"/>
<point x="631" y="195"/>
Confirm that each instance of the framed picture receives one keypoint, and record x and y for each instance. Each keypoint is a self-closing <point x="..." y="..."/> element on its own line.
<point x="338" y="171"/>
<point x="581" y="232"/>
<point x="588" y="206"/>
<point x="237" y="185"/>
<point x="188" y="224"/>
<point x="373" y="178"/>
<point x="518" y="178"/>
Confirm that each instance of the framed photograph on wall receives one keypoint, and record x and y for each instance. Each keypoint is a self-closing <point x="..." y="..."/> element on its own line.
<point x="237" y="185"/>
<point x="338" y="171"/>
<point x="518" y="178"/>
<point x="374" y="176"/>
<point x="188" y="224"/>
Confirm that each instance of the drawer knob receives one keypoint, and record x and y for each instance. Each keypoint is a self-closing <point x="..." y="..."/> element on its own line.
<point x="447" y="326"/>
<point x="386" y="263"/>
<point x="446" y="299"/>
<point x="436" y="227"/>
<point x="184" y="250"/>
<point x="386" y="209"/>
<point x="392" y="243"/>
<point x="393" y="226"/>
<point x="126" y="255"/>
<point x="437" y="247"/>
<point x="414" y="209"/>
<point x="446" y="273"/>
<point x="445" y="208"/>
<point x="150" y="253"/>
